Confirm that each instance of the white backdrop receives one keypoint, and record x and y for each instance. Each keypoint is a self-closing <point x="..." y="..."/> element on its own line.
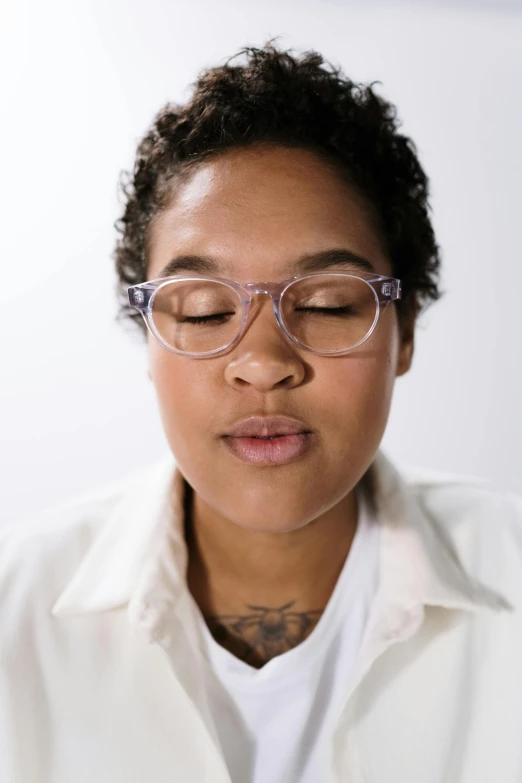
<point x="81" y="82"/>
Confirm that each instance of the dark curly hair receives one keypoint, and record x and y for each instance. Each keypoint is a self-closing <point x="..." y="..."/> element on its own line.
<point x="304" y="101"/>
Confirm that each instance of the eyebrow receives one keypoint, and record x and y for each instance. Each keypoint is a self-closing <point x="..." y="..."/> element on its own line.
<point x="313" y="262"/>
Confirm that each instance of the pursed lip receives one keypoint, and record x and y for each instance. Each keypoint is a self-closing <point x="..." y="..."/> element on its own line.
<point x="267" y="427"/>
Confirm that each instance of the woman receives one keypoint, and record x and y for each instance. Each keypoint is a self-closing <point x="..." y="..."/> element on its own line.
<point x="275" y="602"/>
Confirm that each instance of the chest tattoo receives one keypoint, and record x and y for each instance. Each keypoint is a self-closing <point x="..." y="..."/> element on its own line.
<point x="264" y="633"/>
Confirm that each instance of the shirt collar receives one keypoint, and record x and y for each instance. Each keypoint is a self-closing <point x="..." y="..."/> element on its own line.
<point x="140" y="557"/>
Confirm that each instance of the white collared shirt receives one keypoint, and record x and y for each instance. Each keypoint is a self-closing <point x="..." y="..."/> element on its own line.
<point x="100" y="679"/>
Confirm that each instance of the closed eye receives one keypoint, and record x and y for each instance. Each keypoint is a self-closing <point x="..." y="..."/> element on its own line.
<point x="203" y="319"/>
<point x="328" y="310"/>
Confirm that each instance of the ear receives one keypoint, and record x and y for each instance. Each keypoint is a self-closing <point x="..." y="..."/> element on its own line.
<point x="407" y="345"/>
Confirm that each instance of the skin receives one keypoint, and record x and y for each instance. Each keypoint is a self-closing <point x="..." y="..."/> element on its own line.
<point x="275" y="537"/>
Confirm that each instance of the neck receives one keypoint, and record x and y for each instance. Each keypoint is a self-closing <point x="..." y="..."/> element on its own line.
<point x="284" y="579"/>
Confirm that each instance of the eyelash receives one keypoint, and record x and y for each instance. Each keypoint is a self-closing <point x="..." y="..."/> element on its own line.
<point x="202" y="319"/>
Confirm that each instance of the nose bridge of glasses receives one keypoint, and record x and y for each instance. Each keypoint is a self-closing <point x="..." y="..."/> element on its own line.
<point x="264" y="287"/>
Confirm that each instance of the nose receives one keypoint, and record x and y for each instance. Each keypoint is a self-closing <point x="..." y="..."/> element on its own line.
<point x="264" y="359"/>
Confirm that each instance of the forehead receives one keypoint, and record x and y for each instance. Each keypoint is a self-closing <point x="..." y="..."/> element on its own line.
<point x="254" y="211"/>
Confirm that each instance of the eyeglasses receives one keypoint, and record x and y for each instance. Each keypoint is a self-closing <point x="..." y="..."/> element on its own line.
<point x="328" y="313"/>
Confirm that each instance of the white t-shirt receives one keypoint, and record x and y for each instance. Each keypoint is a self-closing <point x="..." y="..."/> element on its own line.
<point x="273" y="723"/>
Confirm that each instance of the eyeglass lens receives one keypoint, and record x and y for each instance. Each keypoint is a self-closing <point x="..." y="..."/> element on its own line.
<point x="325" y="313"/>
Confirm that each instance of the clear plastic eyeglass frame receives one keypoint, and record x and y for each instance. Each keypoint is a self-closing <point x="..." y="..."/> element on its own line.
<point x="141" y="296"/>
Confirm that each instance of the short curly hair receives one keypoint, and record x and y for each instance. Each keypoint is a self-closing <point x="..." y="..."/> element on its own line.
<point x="299" y="101"/>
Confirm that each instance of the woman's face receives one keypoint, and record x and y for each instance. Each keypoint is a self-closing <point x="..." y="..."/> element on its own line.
<point x="254" y="213"/>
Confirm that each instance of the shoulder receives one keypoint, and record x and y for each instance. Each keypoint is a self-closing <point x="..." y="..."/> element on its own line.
<point x="40" y="554"/>
<point x="455" y="498"/>
<point x="479" y="519"/>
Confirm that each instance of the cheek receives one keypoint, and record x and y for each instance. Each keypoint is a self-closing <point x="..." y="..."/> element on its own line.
<point x="355" y="404"/>
<point x="181" y="392"/>
<point x="362" y="383"/>
<point x="354" y="400"/>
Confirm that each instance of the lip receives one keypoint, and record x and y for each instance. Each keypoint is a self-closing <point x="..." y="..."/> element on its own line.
<point x="269" y="440"/>
<point x="267" y="427"/>
<point x="280" y="450"/>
